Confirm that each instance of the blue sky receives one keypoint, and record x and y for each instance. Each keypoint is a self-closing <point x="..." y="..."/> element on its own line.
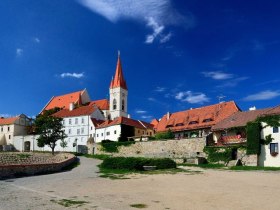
<point x="175" y="55"/>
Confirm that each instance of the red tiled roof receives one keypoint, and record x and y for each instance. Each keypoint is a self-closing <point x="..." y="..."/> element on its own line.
<point x="126" y="121"/>
<point x="118" y="80"/>
<point x="154" y="122"/>
<point x="273" y="111"/>
<point x="64" y="101"/>
<point x="80" y="111"/>
<point x="8" y="121"/>
<point x="197" y="116"/>
<point x="239" y="119"/>
<point x="102" y="104"/>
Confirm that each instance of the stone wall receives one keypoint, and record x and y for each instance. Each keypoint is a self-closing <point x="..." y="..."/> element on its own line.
<point x="175" y="149"/>
<point x="10" y="166"/>
<point x="247" y="160"/>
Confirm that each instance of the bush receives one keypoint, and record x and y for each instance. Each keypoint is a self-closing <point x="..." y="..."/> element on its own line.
<point x="112" y="146"/>
<point x="253" y="138"/>
<point x="216" y="154"/>
<point x="165" y="135"/>
<point x="132" y="163"/>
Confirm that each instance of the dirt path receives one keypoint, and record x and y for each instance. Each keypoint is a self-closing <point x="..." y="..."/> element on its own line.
<point x="211" y="189"/>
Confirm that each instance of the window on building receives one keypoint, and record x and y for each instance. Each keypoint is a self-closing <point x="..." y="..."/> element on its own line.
<point x="143" y="132"/>
<point x="69" y="131"/>
<point x="76" y="120"/>
<point x="115" y="132"/>
<point x="96" y="135"/>
<point x="123" y="104"/>
<point x="138" y="131"/>
<point x="274" y="149"/>
<point x="108" y="133"/>
<point x="70" y="121"/>
<point x="91" y="128"/>
<point x="82" y="130"/>
<point x="8" y="128"/>
<point x="1" y="129"/>
<point x="275" y="130"/>
<point x="9" y="136"/>
<point x="101" y="134"/>
<point x="83" y="120"/>
<point x="78" y="131"/>
<point x="114" y="104"/>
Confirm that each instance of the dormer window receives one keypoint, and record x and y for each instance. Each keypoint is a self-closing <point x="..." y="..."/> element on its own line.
<point x="208" y="120"/>
<point x="193" y="122"/>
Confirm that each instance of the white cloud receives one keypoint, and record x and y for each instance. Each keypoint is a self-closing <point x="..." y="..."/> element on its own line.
<point x="166" y="38"/>
<point x="192" y="98"/>
<point x="157" y="30"/>
<point x="160" y="89"/>
<point x="147" y="117"/>
<point x="151" y="99"/>
<point x="5" y="115"/>
<point x="217" y="75"/>
<point x="141" y="111"/>
<point x="73" y="75"/>
<point x="263" y="95"/>
<point x="233" y="82"/>
<point x="37" y="40"/>
<point x="156" y="14"/>
<point x="19" y="52"/>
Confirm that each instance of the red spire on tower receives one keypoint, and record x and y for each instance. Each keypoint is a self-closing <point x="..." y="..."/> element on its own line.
<point x="118" y="80"/>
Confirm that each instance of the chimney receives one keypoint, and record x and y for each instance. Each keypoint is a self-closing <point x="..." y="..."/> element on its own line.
<point x="168" y="115"/>
<point x="71" y="106"/>
<point x="128" y="116"/>
<point x="252" y="108"/>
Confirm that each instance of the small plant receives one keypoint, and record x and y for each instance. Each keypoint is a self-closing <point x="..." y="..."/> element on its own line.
<point x="139" y="205"/>
<point x="23" y="155"/>
<point x="68" y="203"/>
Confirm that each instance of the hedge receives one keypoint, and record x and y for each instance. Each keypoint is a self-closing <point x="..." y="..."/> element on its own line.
<point x="253" y="138"/>
<point x="112" y="146"/>
<point x="132" y="163"/>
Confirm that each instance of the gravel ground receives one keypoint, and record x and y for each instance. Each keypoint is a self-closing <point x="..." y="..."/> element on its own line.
<point x="211" y="189"/>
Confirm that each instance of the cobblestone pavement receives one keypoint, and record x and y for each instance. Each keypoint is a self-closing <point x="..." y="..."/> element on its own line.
<point x="210" y="189"/>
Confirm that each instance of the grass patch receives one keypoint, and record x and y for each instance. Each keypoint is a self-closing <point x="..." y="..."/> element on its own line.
<point x="23" y="155"/>
<point x="69" y="203"/>
<point x="254" y="168"/>
<point x="115" y="174"/>
<point x="100" y="157"/>
<point x="139" y="205"/>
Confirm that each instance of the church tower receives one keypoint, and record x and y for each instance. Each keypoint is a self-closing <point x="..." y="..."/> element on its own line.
<point x="118" y="93"/>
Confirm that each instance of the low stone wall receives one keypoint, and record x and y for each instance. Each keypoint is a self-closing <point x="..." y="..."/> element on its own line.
<point x="247" y="160"/>
<point x="175" y="149"/>
<point x="11" y="166"/>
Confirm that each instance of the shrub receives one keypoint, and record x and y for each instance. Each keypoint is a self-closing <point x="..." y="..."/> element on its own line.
<point x="216" y="154"/>
<point x="253" y="138"/>
<point x="165" y="135"/>
<point x="112" y="146"/>
<point x="132" y="163"/>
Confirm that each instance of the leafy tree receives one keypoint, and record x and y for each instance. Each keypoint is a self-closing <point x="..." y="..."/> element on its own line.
<point x="165" y="135"/>
<point x="49" y="128"/>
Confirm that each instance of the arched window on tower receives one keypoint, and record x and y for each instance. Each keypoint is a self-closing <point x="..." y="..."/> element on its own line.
<point x="123" y="105"/>
<point x="114" y="104"/>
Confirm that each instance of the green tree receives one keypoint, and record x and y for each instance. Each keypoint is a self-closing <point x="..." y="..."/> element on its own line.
<point x="49" y="128"/>
<point x="63" y="143"/>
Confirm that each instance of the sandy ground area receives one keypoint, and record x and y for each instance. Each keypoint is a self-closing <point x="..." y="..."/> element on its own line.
<point x="211" y="189"/>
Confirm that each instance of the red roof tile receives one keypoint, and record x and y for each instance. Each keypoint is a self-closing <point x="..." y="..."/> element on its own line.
<point x="80" y="111"/>
<point x="239" y="119"/>
<point x="126" y="121"/>
<point x="154" y="122"/>
<point x="273" y="111"/>
<point x="102" y="104"/>
<point x="118" y="80"/>
<point x="64" y="101"/>
<point x="8" y="121"/>
<point x="203" y="117"/>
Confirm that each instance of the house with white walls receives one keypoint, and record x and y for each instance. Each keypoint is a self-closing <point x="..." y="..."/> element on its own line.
<point x="123" y="127"/>
<point x="269" y="155"/>
<point x="78" y="126"/>
<point x="13" y="126"/>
